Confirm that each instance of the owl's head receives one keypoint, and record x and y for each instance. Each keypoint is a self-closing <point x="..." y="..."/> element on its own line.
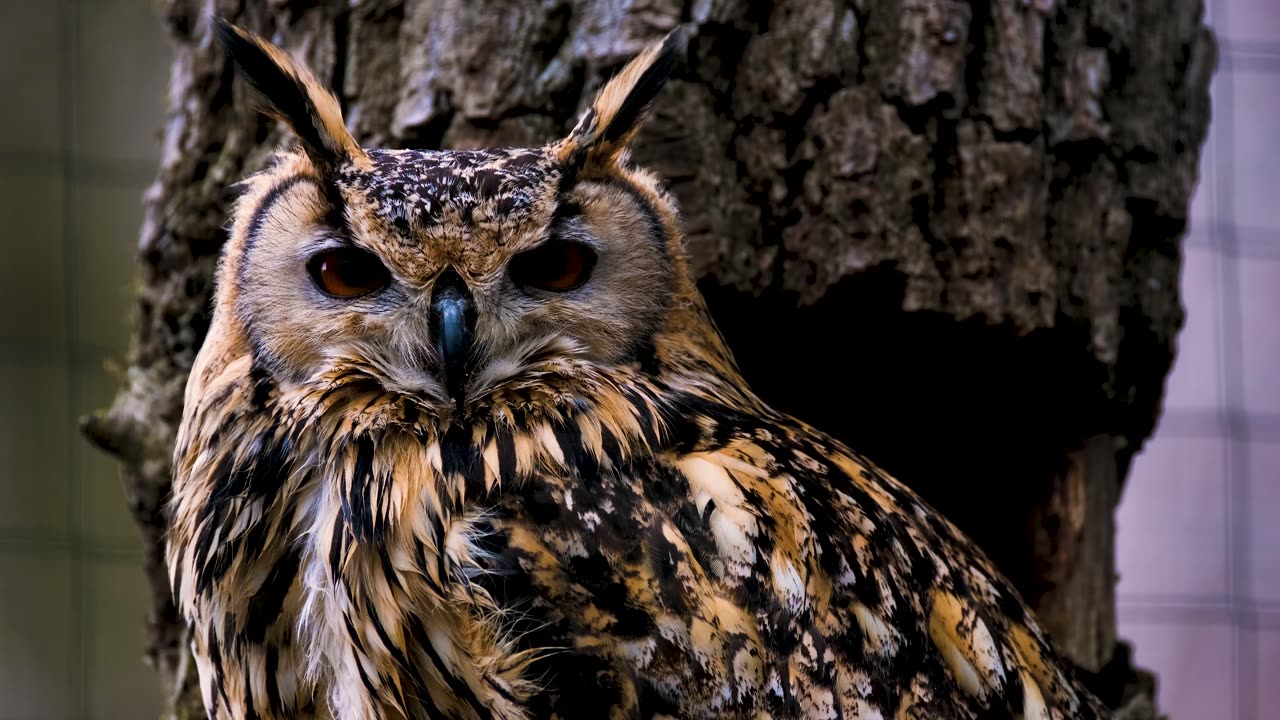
<point x="443" y="275"/>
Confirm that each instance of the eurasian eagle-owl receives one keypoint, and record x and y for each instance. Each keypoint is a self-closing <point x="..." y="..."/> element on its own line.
<point x="463" y="442"/>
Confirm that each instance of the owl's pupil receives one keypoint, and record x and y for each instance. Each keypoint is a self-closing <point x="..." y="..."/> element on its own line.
<point x="556" y="266"/>
<point x="347" y="272"/>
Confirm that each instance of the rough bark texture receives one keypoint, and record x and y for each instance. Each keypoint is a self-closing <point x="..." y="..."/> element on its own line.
<point x="905" y="214"/>
<point x="1073" y="543"/>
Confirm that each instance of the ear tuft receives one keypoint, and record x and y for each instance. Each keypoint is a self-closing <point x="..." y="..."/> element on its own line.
<point x="621" y="105"/>
<point x="291" y="94"/>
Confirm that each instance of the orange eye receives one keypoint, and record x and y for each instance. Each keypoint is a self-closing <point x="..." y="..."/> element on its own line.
<point x="347" y="272"/>
<point x="556" y="266"/>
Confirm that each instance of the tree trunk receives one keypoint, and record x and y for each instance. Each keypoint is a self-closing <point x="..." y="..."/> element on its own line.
<point x="905" y="214"/>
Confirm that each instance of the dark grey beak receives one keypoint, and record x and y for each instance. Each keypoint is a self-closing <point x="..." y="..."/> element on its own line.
<point x="453" y="322"/>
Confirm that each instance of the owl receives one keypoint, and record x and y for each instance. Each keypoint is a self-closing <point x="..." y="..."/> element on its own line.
<point x="464" y="442"/>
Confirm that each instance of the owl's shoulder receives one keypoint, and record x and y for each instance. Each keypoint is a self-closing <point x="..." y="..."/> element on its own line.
<point x="864" y="567"/>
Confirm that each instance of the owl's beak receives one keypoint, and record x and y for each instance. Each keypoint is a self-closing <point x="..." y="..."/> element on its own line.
<point x="453" y="322"/>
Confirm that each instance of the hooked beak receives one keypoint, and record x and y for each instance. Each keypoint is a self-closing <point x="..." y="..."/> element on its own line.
<point x="453" y="321"/>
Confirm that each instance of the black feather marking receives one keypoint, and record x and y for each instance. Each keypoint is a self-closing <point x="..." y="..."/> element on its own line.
<point x="269" y="199"/>
<point x="282" y="90"/>
<point x="258" y="373"/>
<point x="356" y="641"/>
<point x="382" y="508"/>
<point x="825" y="668"/>
<point x="337" y="216"/>
<point x="608" y="589"/>
<point x="213" y="563"/>
<point x="506" y="455"/>
<point x="576" y="458"/>
<point x="208" y="570"/>
<point x="420" y="554"/>
<point x="543" y="506"/>
<point x="657" y="234"/>
<point x="502" y="692"/>
<point x="646" y="355"/>
<point x="589" y="687"/>
<point x="261" y="479"/>
<point x="707" y="511"/>
<point x="569" y="172"/>
<point x="270" y="469"/>
<point x="654" y="701"/>
<point x="219" y="675"/>
<point x="565" y="210"/>
<point x="356" y="507"/>
<point x="609" y="446"/>
<point x="457" y="685"/>
<point x="409" y="414"/>
<point x="364" y="677"/>
<point x="388" y="571"/>
<point x="396" y="653"/>
<point x="337" y="546"/>
<point x="475" y="475"/>
<point x="271" y="666"/>
<point x="662" y="557"/>
<point x="250" y="710"/>
<point x="460" y="457"/>
<point x="179" y="576"/>
<point x="268" y="601"/>
<point x="229" y="631"/>
<point x="645" y="418"/>
<point x="442" y="557"/>
<point x="646" y="87"/>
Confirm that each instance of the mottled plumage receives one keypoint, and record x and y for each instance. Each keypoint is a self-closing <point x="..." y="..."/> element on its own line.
<point x="432" y="491"/>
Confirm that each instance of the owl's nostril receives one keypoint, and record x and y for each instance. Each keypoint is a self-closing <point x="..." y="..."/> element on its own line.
<point x="453" y="320"/>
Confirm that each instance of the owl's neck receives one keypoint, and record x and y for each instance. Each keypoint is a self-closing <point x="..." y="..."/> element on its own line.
<point x="694" y="358"/>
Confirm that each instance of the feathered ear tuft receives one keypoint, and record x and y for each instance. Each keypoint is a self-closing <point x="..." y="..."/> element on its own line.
<point x="291" y="94"/>
<point x="618" y="111"/>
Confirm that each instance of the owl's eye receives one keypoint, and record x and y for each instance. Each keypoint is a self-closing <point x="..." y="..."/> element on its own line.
<point x="347" y="272"/>
<point x="557" y="266"/>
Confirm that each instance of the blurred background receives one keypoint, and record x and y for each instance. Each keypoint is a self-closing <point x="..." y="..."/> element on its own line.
<point x="1198" y="532"/>
<point x="1199" y="547"/>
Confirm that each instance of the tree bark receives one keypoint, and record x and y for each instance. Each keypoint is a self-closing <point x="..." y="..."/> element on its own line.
<point x="905" y="215"/>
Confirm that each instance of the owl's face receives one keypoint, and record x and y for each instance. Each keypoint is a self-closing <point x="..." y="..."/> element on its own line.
<point x="445" y="275"/>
